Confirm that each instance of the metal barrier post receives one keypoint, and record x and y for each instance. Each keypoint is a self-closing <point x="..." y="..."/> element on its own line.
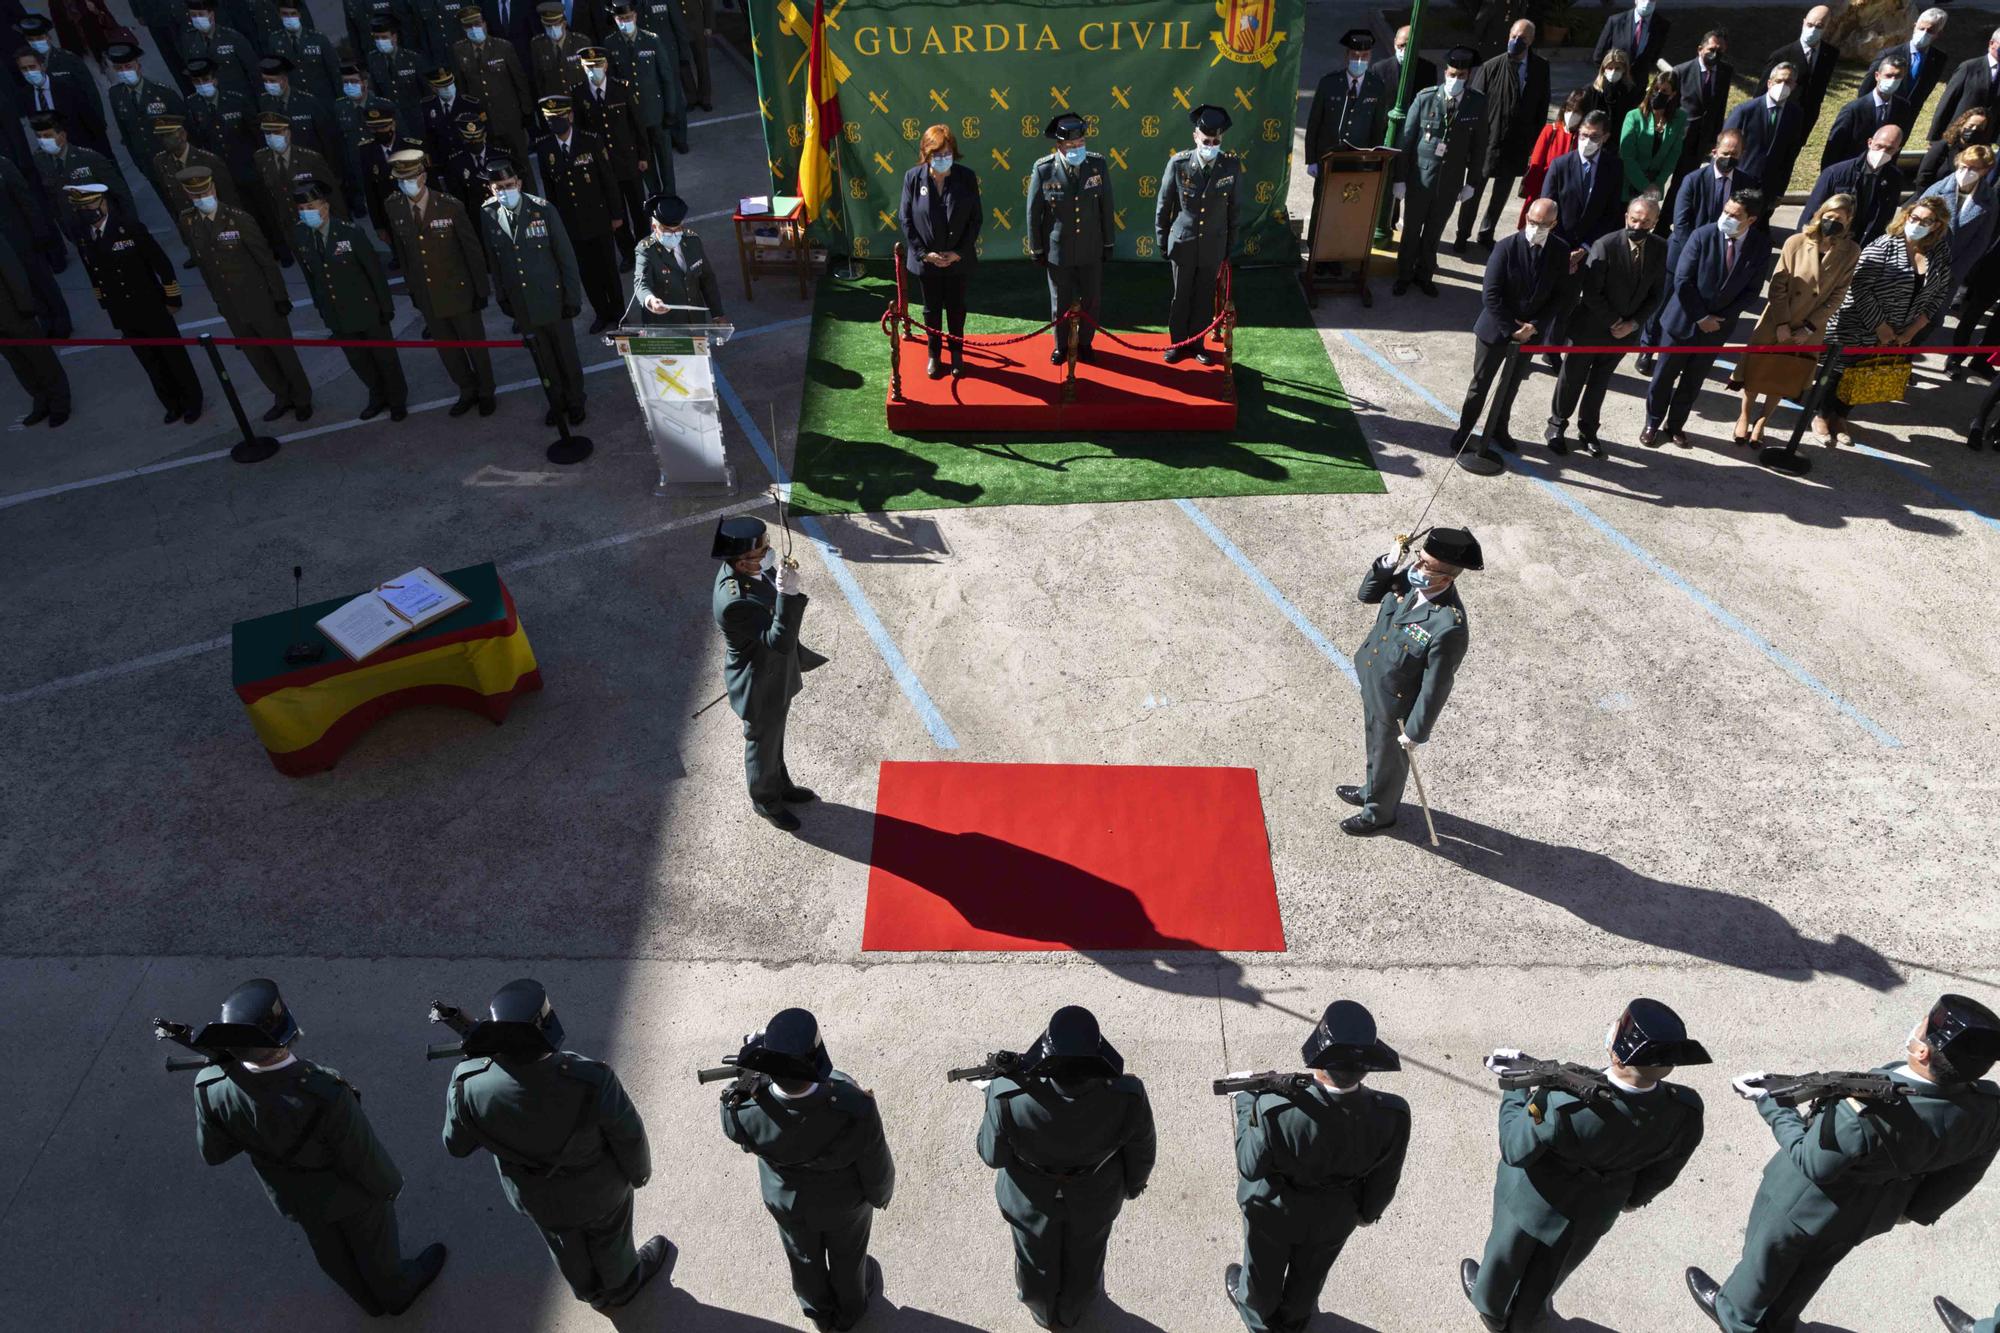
<point x="252" y="448"/>
<point x="568" y="448"/>
<point x="1786" y="457"/>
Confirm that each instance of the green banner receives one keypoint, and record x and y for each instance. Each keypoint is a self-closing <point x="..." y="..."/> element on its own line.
<point x="995" y="71"/>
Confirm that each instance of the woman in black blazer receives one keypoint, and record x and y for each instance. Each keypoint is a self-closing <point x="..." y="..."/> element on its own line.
<point x="940" y="214"/>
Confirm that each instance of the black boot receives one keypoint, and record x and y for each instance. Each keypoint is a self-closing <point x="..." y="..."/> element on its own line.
<point x="1703" y="1288"/>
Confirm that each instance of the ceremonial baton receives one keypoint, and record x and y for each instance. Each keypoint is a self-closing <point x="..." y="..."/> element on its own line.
<point x="1410" y="753"/>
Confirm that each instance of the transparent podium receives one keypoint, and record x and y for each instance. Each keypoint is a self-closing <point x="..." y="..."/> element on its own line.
<point x="670" y="372"/>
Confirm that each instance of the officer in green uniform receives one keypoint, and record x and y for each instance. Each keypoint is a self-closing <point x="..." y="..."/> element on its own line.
<point x="645" y="58"/>
<point x="489" y="69"/>
<point x="1407" y="664"/>
<point x="312" y="121"/>
<point x="223" y="121"/>
<point x="670" y="269"/>
<point x="137" y="103"/>
<point x="1195" y="223"/>
<point x="576" y="171"/>
<point x="206" y="38"/>
<point x="24" y="314"/>
<point x="1312" y="1166"/>
<point x="552" y="52"/>
<point x="248" y="287"/>
<point x="759" y="615"/>
<point x="377" y="153"/>
<point x="1958" y="1321"/>
<point x="445" y="270"/>
<point x="1568" y="1167"/>
<point x="309" y="1141"/>
<point x="282" y="166"/>
<point x="350" y="115"/>
<point x="61" y="164"/>
<point x="314" y="55"/>
<point x="133" y="280"/>
<point x="822" y="1162"/>
<point x="397" y="72"/>
<point x="351" y="293"/>
<point x="1071" y="228"/>
<point x="568" y="1143"/>
<point x="535" y="279"/>
<point x="176" y="153"/>
<point x="1860" y="1168"/>
<point x="1070" y="1139"/>
<point x="1443" y="134"/>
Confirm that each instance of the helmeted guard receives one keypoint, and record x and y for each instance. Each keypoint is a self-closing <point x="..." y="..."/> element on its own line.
<point x="1312" y="1165"/>
<point x="759" y="609"/>
<point x="1859" y="1168"/>
<point x="444" y="266"/>
<point x="248" y="287"/>
<point x="569" y="1146"/>
<point x="1071" y="227"/>
<point x="1568" y="1167"/>
<point x="302" y="1126"/>
<point x="576" y="171"/>
<point x="1443" y="135"/>
<point x="1071" y="1140"/>
<point x="1195" y="224"/>
<point x="823" y="1162"/>
<point x="351" y="292"/>
<point x="132" y="278"/>
<point x="1407" y="664"/>
<point x="490" y="69"/>
<point x="535" y="280"/>
<point x="670" y="269"/>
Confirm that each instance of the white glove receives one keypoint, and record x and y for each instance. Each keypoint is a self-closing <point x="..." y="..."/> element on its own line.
<point x="1746" y="1086"/>
<point x="788" y="581"/>
<point x="1239" y="1073"/>
<point x="1403" y="739"/>
<point x="981" y="1083"/>
<point x="1501" y="1057"/>
<point x="1399" y="189"/>
<point x="1394" y="556"/>
<point x="1312" y="168"/>
<point x="1464" y="193"/>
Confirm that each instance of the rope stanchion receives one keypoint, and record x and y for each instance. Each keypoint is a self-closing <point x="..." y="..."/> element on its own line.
<point x="895" y="353"/>
<point x="1786" y="457"/>
<point x="568" y="448"/>
<point x="252" y="448"/>
<point x="1072" y="335"/>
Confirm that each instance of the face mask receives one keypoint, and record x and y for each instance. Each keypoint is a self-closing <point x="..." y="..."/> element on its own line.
<point x="510" y="197"/>
<point x="290" y="22"/>
<point x="39" y="46"/>
<point x="47" y="146"/>
<point x="596" y="77"/>
<point x="276" y="142"/>
<point x="446" y="93"/>
<point x="628" y="29"/>
<point x="670" y="239"/>
<point x="1634" y="233"/>
<point x="385" y="136"/>
<point x="207" y="203"/>
<point x="1074" y="156"/>
<point x="1878" y="158"/>
<point x="1808" y="37"/>
<point x="1613" y="75"/>
<point x="1966" y="177"/>
<point x="1536" y="235"/>
<point x="204" y="89"/>
<point x="128" y="77"/>
<point x="1401" y="51"/>
<point x="202" y="24"/>
<point x="1589" y="147"/>
<point x="1920" y="39"/>
<point x="1779" y="92"/>
<point x="769" y="562"/>
<point x="1728" y="225"/>
<point x="1707" y="60"/>
<point x="1516" y="46"/>
<point x="384" y="45"/>
<point x="1831" y="226"/>
<point x="1644" y="9"/>
<point x="1571" y="119"/>
<point x="409" y="188"/>
<point x="559" y="125"/>
<point x="1916" y="231"/>
<point x="1725" y="162"/>
<point x="1207" y="152"/>
<point x="554" y="34"/>
<point x="1663" y="101"/>
<point x="273" y="89"/>
<point x="1453" y="85"/>
<point x="34" y="77"/>
<point x="941" y="162"/>
<point x="352" y="90"/>
<point x="1418" y="578"/>
<point x="475" y="35"/>
<point x="311" y="217"/>
<point x="1888" y="87"/>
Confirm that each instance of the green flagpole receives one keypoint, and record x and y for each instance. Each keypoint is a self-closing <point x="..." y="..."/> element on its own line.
<point x="1400" y="111"/>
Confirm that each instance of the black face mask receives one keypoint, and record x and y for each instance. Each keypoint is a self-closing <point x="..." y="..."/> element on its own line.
<point x="1831" y="226"/>
<point x="1725" y="162"/>
<point x="1663" y="101"/>
<point x="1708" y="59"/>
<point x="385" y="136"/>
<point x="559" y="125"/>
<point x="1635" y="233"/>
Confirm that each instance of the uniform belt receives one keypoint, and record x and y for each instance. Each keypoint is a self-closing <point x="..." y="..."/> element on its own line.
<point x="1335" y="1185"/>
<point x="1072" y="1173"/>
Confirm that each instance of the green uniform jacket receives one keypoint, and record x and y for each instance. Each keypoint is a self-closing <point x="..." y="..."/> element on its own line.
<point x="235" y="58"/>
<point x="281" y="175"/>
<point x="136" y="108"/>
<point x="688" y="281"/>
<point x="1407" y="665"/>
<point x="1069" y="211"/>
<point x="79" y="166"/>
<point x="443" y="267"/>
<point x="226" y="125"/>
<point x="1437" y="149"/>
<point x="552" y="65"/>
<point x="648" y="61"/>
<point x="345" y="277"/>
<point x="1584" y="1162"/>
<point x="1336" y="119"/>
<point x="315" y="58"/>
<point x="1093" y="1145"/>
<point x="534" y="267"/>
<point x="1195" y="219"/>
<point x="166" y="164"/>
<point x="824" y="1152"/>
<point x="236" y="262"/>
<point x="764" y="659"/>
<point x="399" y="76"/>
<point x="1851" y="1174"/>
<point x="306" y="1135"/>
<point x="490" y="73"/>
<point x="1317" y="1153"/>
<point x="614" y="122"/>
<point x="313" y="128"/>
<point x="567" y="1141"/>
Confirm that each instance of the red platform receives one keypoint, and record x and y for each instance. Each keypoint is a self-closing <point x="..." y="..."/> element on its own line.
<point x="1014" y="389"/>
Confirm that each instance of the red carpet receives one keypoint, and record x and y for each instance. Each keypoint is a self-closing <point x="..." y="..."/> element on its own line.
<point x="1061" y="856"/>
<point x="1014" y="389"/>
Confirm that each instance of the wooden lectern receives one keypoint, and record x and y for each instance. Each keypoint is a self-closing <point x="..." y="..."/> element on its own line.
<point x="1347" y="198"/>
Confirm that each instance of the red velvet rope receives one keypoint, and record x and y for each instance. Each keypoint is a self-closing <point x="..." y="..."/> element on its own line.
<point x="258" y="342"/>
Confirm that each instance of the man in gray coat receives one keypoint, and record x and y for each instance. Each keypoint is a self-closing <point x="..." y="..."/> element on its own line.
<point x="759" y="615"/>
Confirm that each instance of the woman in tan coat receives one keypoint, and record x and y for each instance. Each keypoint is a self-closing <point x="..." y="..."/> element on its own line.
<point x="1807" y="285"/>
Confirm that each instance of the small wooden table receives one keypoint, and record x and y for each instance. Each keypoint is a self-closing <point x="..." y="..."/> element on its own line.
<point x="791" y="255"/>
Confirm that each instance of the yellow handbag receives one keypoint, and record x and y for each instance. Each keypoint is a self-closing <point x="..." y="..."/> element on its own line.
<point x="1874" y="379"/>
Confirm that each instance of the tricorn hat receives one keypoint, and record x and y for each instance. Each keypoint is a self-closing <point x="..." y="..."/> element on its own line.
<point x="1066" y="125"/>
<point x="385" y="23"/>
<point x="499" y="169"/>
<point x="1965" y="1032"/>
<point x="274" y="65"/>
<point x="1358" y="39"/>
<point x="789" y="1048"/>
<point x="520" y="1021"/>
<point x="1345" y="1039"/>
<point x="1072" y="1047"/>
<point x="1455" y="546"/>
<point x="1649" y="1033"/>
<point x="736" y="537"/>
<point x="1461" y="57"/>
<point x="1209" y="119"/>
<point x="253" y="1015"/>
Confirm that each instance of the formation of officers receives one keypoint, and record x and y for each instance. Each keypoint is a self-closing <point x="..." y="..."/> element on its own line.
<point x="1646" y="215"/>
<point x="1069" y="1135"/>
<point x="414" y="142"/>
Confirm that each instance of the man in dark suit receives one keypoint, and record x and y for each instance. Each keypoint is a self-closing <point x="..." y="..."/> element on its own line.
<point x="1515" y="84"/>
<point x="1585" y="183"/>
<point x="78" y="104"/>
<point x="759" y="617"/>
<point x="1524" y="276"/>
<point x="1773" y="130"/>
<point x="1705" y="83"/>
<point x="1623" y="278"/>
<point x="1389" y="69"/>
<point x="1720" y="272"/>
<point x="1350" y="107"/>
<point x="1926" y="60"/>
<point x="1873" y="178"/>
<point x="1639" y="33"/>
<point x="1813" y="57"/>
<point x="1698" y="203"/>
<point x="1973" y="84"/>
<point x="1882" y="105"/>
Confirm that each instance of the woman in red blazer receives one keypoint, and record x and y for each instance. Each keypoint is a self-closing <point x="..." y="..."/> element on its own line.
<point x="1557" y="138"/>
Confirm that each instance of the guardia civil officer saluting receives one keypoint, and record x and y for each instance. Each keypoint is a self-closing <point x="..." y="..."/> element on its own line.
<point x="822" y="1162"/>
<point x="302" y="1127"/>
<point x="1070" y="226"/>
<point x="1568" y="1167"/>
<point x="1071" y="1139"/>
<point x="1407" y="664"/>
<point x="1860" y="1168"/>
<point x="1313" y="1164"/>
<point x="1195" y="224"/>
<point x="759" y="614"/>
<point x="568" y="1143"/>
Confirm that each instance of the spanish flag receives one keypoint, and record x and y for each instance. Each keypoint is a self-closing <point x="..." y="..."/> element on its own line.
<point x="822" y="118"/>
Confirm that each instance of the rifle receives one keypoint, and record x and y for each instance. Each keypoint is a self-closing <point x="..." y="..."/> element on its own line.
<point x="454" y="1018"/>
<point x="1823" y="1089"/>
<point x="1284" y="1085"/>
<point x="745" y="1086"/>
<point x="182" y="1035"/>
<point x="1579" y="1081"/>
<point x="998" y="1063"/>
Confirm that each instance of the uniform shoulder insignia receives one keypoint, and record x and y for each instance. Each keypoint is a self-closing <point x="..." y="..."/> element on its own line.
<point x="1129" y="1084"/>
<point x="1685" y="1095"/>
<point x="471" y="1067"/>
<point x="571" y="1065"/>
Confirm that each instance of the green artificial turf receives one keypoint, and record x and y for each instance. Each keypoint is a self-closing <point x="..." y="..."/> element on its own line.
<point x="1295" y="433"/>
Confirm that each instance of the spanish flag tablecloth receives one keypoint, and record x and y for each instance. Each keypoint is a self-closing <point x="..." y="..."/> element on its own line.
<point x="477" y="658"/>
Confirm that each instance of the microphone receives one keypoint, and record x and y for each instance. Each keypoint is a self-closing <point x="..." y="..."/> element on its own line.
<point x="302" y="649"/>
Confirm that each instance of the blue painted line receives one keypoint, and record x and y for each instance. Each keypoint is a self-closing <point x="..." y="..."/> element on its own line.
<point x="864" y="610"/>
<point x="772" y="327"/>
<point x="1916" y="475"/>
<point x="1723" y="616"/>
<point x="1270" y="591"/>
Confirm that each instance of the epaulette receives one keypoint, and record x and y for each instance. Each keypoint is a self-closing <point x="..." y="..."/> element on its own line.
<point x="1011" y="1088"/>
<point x="466" y="1070"/>
<point x="1129" y="1084"/>
<point x="571" y="1065"/>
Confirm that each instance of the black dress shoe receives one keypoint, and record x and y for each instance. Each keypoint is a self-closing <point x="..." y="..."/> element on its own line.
<point x="957" y="367"/>
<point x="302" y="413"/>
<point x="1398" y="287"/>
<point x="461" y="407"/>
<point x="1591" y="443"/>
<point x="578" y="414"/>
<point x="1056" y="357"/>
<point x="1468" y="1277"/>
<point x="1207" y="358"/>
<point x="192" y="415"/>
<point x="1551" y="361"/>
<point x="1649" y="437"/>
<point x="1459" y="246"/>
<point x="173" y="415"/>
<point x="1362" y="826"/>
<point x="1504" y="441"/>
<point x="1644" y="365"/>
<point x="1175" y="355"/>
<point x="1681" y="440"/>
<point x="933" y="369"/>
<point x="486" y="406"/>
<point x="777" y="816"/>
<point x="40" y="414"/>
<point x="57" y="419"/>
<point x="276" y="410"/>
<point x="1703" y="1288"/>
<point x="370" y="411"/>
<point x="1558" y="446"/>
<point x="1232" y="1278"/>
<point x="1427" y="287"/>
<point x="1955" y="1319"/>
<point x="429" y="1264"/>
<point x="1349" y="793"/>
<point x="398" y="412"/>
<point x="800" y="795"/>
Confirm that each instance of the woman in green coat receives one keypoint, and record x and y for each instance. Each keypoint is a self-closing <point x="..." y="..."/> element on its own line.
<point x="1650" y="143"/>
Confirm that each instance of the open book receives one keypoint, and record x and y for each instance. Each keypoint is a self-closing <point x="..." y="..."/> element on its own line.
<point x="386" y="613"/>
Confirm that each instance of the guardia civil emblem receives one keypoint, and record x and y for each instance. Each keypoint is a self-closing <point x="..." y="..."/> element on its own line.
<point x="1246" y="36"/>
<point x="911" y="129"/>
<point x="969" y="128"/>
<point x="1149" y="127"/>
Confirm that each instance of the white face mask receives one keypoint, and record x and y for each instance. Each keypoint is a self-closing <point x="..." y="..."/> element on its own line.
<point x="1967" y="178"/>
<point x="34" y="77"/>
<point x="409" y="187"/>
<point x="596" y="76"/>
<point x="475" y="35"/>
<point x="204" y="90"/>
<point x="1537" y="233"/>
<point x="628" y="27"/>
<point x="1401" y="52"/>
<point x="1613" y="75"/>
<point x="46" y="145"/>
<point x="1779" y="92"/>
<point x="1916" y="231"/>
<point x="352" y="90"/>
<point x="1207" y="152"/>
<point x="510" y="197"/>
<point x="276" y="142"/>
<point x="1643" y="8"/>
<point x="207" y="203"/>
<point x="290" y="22"/>
<point x="1808" y="37"/>
<point x="39" y="45"/>
<point x="1888" y="87"/>
<point x="1728" y="226"/>
<point x="670" y="239"/>
<point x="555" y="33"/>
<point x="1589" y="147"/>
<point x="1453" y="85"/>
<point x="1920" y="39"/>
<point x="311" y="217"/>
<point x="384" y="45"/>
<point x="272" y="89"/>
<point x="1878" y="158"/>
<point x="201" y="22"/>
<point x="447" y="92"/>
<point x="128" y="77"/>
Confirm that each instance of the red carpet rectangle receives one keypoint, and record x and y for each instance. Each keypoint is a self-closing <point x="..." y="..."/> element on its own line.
<point x="1069" y="856"/>
<point x="1013" y="388"/>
